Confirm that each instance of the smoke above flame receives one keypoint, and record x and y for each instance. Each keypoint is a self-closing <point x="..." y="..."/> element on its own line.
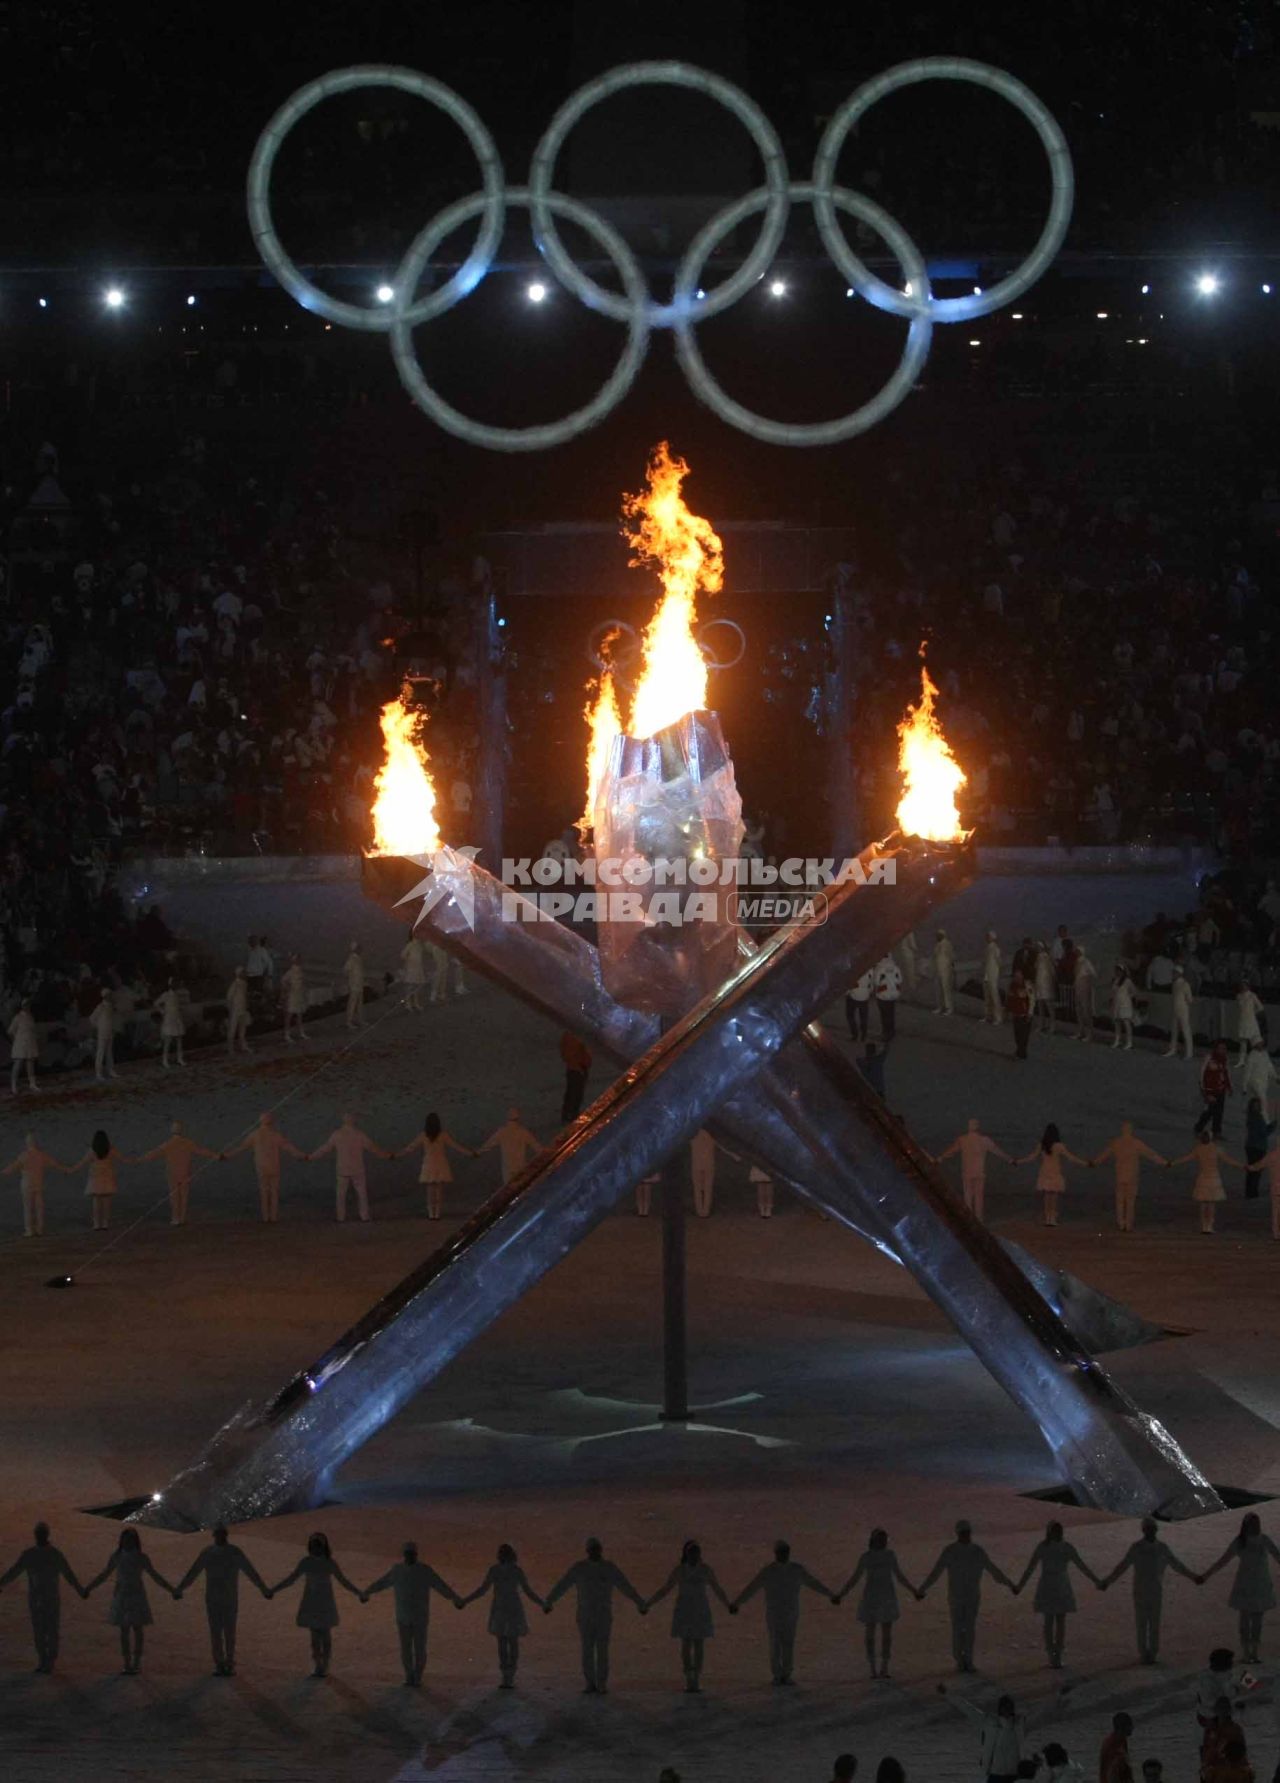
<point x="404" y="807"/>
<point x="687" y="553"/>
<point x="931" y="775"/>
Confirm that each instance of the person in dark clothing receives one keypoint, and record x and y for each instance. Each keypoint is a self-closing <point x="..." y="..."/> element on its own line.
<point x="1024" y="960"/>
<point x="857" y="1007"/>
<point x="871" y="1065"/>
<point x="1257" y="1143"/>
<point x="577" y="1063"/>
<point x="45" y="1566"/>
<point x="1215" y="1087"/>
<point x="1018" y="1003"/>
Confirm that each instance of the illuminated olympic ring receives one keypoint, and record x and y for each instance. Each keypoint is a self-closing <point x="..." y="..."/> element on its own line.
<point x="634" y="305"/>
<point x="620" y="660"/>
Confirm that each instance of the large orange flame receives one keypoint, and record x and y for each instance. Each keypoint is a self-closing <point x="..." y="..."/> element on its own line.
<point x="688" y="556"/>
<point x="605" y="721"/>
<point x="404" y="809"/>
<point x="931" y="775"/>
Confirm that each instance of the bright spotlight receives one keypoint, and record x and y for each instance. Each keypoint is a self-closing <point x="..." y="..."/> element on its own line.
<point x="975" y="343"/>
<point x="384" y="293"/>
<point x="848" y="291"/>
<point x="1266" y="290"/>
<point x="191" y="301"/>
<point x="700" y="294"/>
<point x="1016" y="316"/>
<point x="44" y="301"/>
<point x="1102" y="315"/>
<point x="977" y="290"/>
<point x="536" y="292"/>
<point x="777" y="287"/>
<point x="1146" y="290"/>
<point x="113" y="297"/>
<point x="1207" y="284"/>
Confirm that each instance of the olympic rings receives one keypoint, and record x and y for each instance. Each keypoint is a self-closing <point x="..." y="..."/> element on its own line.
<point x="709" y="657"/>
<point x="672" y="74"/>
<point x="817" y="433"/>
<point x="619" y="660"/>
<point x="347" y="80"/>
<point x="547" y="433"/>
<point x="634" y="306"/>
<point x="611" y="630"/>
<point x="906" y="74"/>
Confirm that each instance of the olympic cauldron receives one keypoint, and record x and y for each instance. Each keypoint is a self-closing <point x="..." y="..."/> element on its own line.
<point x="742" y="1059"/>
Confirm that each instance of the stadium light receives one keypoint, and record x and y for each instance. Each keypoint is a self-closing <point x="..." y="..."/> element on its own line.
<point x="384" y="293"/>
<point x="1266" y="290"/>
<point x="1208" y="284"/>
<point x="536" y="292"/>
<point x="113" y="297"/>
<point x="191" y="300"/>
<point x="1146" y="290"/>
<point x="777" y="287"/>
<point x="44" y="302"/>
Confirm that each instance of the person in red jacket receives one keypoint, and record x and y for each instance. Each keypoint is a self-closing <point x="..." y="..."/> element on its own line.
<point x="577" y="1063"/>
<point x="1113" y="1759"/>
<point x="1017" y="1001"/>
<point x="1215" y="1087"/>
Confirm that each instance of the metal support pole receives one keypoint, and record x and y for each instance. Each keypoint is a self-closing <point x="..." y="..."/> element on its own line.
<point x="675" y="1310"/>
<point x="842" y="793"/>
<point x="491" y="699"/>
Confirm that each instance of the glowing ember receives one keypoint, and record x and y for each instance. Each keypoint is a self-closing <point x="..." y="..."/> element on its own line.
<point x="688" y="556"/>
<point x="404" y="810"/>
<point x="605" y="720"/>
<point x="931" y="774"/>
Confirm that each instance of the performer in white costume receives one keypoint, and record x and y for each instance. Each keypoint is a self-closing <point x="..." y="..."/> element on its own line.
<point x="413" y="963"/>
<point x="1128" y="1151"/>
<point x="293" y="989"/>
<point x="24" y="1047"/>
<point x="349" y="1143"/>
<point x="168" y="1006"/>
<point x="944" y="973"/>
<point x="238" y="1013"/>
<point x="103" y="1022"/>
<point x="1180" y="1018"/>
<point x="268" y="1145"/>
<point x="973" y="1148"/>
<point x="514" y="1142"/>
<point x="178" y="1151"/>
<point x="30" y="1167"/>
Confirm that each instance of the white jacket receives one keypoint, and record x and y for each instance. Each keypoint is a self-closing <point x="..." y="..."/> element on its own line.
<point x="888" y="980"/>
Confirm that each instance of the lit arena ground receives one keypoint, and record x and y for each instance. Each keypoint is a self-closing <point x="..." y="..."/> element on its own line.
<point x="833" y="1398"/>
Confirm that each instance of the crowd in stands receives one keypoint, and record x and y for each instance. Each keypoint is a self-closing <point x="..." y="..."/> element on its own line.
<point x="195" y="666"/>
<point x="1105" y="653"/>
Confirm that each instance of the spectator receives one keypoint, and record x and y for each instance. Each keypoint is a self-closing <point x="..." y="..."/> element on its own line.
<point x="1113" y="1759"/>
